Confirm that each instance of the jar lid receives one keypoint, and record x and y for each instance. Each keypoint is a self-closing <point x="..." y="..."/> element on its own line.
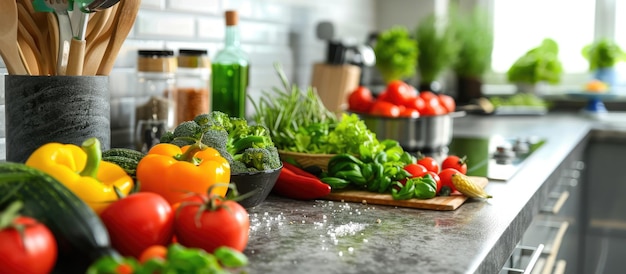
<point x="155" y="53"/>
<point x="156" y="61"/>
<point x="193" y="58"/>
<point x="193" y="52"/>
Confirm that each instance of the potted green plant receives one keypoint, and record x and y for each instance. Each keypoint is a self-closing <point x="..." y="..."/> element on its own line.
<point x="538" y="65"/>
<point x="436" y="43"/>
<point x="396" y="54"/>
<point x="603" y="55"/>
<point x="475" y="36"/>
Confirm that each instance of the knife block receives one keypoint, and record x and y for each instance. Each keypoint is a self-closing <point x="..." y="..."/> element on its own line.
<point x="334" y="83"/>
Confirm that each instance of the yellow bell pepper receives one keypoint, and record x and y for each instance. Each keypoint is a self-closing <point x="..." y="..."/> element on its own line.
<point x="82" y="171"/>
<point x="175" y="172"/>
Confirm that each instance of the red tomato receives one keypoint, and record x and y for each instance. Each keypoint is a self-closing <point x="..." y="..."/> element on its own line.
<point x="35" y="251"/>
<point x="429" y="163"/>
<point x="430" y="110"/>
<point x="456" y="162"/>
<point x="386" y="109"/>
<point x="153" y="252"/>
<point x="400" y="92"/>
<point x="417" y="103"/>
<point x="409" y="112"/>
<point x="431" y="104"/>
<point x="446" y="178"/>
<point x="416" y="170"/>
<point x="447" y="102"/>
<point x="361" y="99"/>
<point x="383" y="96"/>
<point x="228" y="225"/>
<point x="437" y="179"/>
<point x="139" y="221"/>
<point x="428" y="96"/>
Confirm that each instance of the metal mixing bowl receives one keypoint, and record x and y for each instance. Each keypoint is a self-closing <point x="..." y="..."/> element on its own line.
<point x="414" y="134"/>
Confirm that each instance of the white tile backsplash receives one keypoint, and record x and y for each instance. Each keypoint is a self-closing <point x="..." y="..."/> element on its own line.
<point x="272" y="31"/>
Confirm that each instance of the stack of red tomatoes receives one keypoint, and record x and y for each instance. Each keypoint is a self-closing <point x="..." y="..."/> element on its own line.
<point x="400" y="99"/>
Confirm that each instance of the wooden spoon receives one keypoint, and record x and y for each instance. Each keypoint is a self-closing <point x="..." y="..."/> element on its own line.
<point x="124" y="21"/>
<point x="96" y="47"/>
<point x="9" y="49"/>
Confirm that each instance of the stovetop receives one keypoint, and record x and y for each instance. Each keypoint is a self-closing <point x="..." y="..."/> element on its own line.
<point x="497" y="158"/>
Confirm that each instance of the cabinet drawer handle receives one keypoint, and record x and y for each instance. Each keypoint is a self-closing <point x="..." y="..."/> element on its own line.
<point x="559" y="203"/>
<point x="531" y="263"/>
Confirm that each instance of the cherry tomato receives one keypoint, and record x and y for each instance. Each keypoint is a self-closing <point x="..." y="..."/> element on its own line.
<point x="428" y="96"/>
<point x="432" y="106"/>
<point x="152" y="252"/>
<point x="446" y="178"/>
<point x="456" y="162"/>
<point x="361" y="99"/>
<point x="383" y="96"/>
<point x="139" y="221"/>
<point x="429" y="163"/>
<point x="35" y="251"/>
<point x="409" y="112"/>
<point x="227" y="225"/>
<point x="386" y="109"/>
<point x="437" y="179"/>
<point x="416" y="170"/>
<point x="400" y="92"/>
<point x="417" y="104"/>
<point x="430" y="110"/>
<point x="447" y="102"/>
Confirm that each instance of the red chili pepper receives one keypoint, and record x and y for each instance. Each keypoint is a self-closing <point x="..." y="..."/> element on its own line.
<point x="298" y="171"/>
<point x="300" y="187"/>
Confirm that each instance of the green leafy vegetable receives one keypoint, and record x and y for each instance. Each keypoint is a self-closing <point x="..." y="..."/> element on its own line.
<point x="537" y="65"/>
<point x="476" y="39"/>
<point x="396" y="54"/>
<point x="437" y="45"/>
<point x="603" y="54"/>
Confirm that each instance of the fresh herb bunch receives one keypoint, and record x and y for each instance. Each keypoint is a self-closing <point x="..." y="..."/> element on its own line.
<point x="476" y="39"/>
<point x="299" y="122"/>
<point x="537" y="65"/>
<point x="396" y="54"/>
<point x="248" y="148"/>
<point x="603" y="53"/>
<point x="437" y="45"/>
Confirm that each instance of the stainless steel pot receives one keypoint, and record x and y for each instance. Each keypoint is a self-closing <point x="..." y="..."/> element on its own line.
<point x="414" y="134"/>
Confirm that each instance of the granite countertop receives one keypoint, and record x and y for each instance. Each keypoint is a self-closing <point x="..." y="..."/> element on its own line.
<point x="320" y="236"/>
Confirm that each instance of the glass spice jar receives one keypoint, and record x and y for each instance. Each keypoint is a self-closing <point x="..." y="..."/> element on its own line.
<point x="155" y="101"/>
<point x="193" y="80"/>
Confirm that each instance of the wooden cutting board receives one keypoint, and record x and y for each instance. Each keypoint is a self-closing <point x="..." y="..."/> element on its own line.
<point x="451" y="202"/>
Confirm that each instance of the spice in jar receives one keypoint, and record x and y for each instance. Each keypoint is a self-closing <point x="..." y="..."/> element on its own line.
<point x="192" y="81"/>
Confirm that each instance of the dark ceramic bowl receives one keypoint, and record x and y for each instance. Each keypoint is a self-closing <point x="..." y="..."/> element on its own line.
<point x="260" y="183"/>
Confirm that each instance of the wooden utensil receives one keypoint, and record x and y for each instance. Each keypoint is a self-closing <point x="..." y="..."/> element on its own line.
<point x="96" y="46"/>
<point x="124" y="21"/>
<point x="9" y="49"/>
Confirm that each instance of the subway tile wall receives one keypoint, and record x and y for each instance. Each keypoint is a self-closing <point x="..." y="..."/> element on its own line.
<point x="272" y="31"/>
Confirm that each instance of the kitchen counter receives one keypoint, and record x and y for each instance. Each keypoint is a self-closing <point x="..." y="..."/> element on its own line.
<point x="321" y="236"/>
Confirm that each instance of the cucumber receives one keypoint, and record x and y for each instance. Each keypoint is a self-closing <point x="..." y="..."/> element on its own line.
<point x="126" y="158"/>
<point x="81" y="236"/>
<point x="124" y="152"/>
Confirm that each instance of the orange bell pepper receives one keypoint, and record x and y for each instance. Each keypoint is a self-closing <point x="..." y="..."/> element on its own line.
<point x="175" y="172"/>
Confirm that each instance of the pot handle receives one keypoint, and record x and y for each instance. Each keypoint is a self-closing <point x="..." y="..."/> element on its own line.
<point x="457" y="114"/>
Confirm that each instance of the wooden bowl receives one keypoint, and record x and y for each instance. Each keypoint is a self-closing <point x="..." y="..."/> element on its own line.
<point x="307" y="159"/>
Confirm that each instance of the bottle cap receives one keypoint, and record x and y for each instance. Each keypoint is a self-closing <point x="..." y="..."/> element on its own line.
<point x="231" y="18"/>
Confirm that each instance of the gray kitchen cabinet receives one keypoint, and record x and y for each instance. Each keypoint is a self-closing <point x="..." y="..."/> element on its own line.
<point x="604" y="204"/>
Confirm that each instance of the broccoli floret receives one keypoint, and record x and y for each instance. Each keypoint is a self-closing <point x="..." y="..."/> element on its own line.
<point x="188" y="129"/>
<point x="237" y="167"/>
<point x="260" y="158"/>
<point x="167" y="137"/>
<point x="238" y="127"/>
<point x="221" y="119"/>
<point x="215" y="138"/>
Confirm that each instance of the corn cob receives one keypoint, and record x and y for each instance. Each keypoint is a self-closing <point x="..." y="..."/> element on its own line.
<point x="467" y="187"/>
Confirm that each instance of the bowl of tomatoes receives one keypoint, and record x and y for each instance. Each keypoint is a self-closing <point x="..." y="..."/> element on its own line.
<point x="417" y="120"/>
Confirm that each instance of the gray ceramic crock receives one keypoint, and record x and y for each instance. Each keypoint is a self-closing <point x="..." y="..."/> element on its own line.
<point x="64" y="109"/>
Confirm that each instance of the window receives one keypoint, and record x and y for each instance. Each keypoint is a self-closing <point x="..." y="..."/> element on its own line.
<point x="520" y="25"/>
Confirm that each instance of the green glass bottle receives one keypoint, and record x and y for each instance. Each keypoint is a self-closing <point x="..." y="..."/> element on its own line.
<point x="229" y="78"/>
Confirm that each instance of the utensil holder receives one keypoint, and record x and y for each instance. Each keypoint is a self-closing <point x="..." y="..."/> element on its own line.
<point x="334" y="83"/>
<point x="64" y="109"/>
